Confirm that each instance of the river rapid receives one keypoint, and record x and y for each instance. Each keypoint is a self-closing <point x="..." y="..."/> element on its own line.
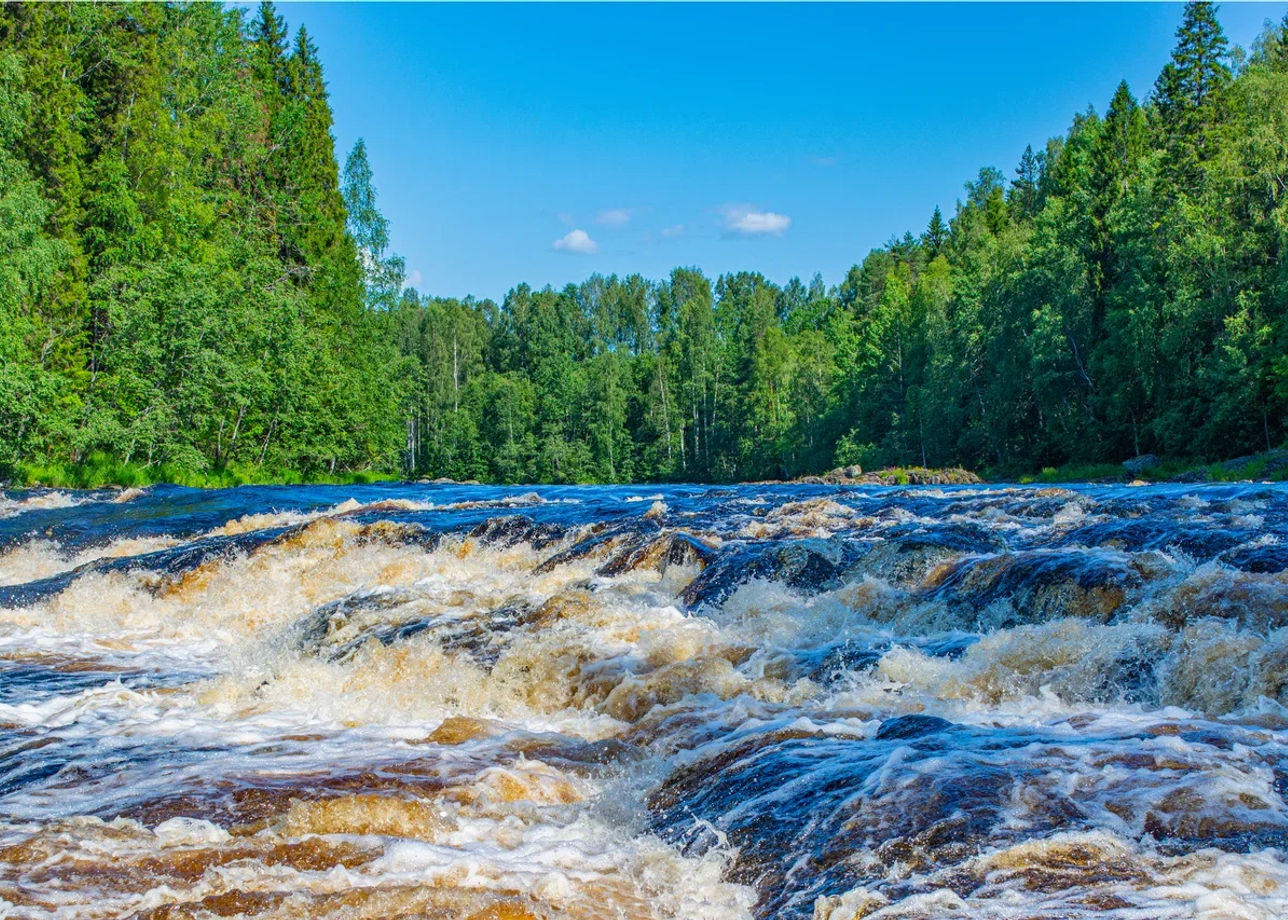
<point x="790" y="702"/>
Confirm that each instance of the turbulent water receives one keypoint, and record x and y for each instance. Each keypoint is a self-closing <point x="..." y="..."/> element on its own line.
<point x="689" y="702"/>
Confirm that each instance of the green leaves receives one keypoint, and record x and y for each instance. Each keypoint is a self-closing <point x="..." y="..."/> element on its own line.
<point x="187" y="280"/>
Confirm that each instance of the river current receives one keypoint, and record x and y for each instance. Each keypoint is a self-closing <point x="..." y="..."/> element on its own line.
<point x="791" y="702"/>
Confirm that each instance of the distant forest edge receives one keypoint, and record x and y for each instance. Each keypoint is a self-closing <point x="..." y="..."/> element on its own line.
<point x="189" y="284"/>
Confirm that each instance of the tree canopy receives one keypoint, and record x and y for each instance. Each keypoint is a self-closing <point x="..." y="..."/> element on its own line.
<point x="187" y="277"/>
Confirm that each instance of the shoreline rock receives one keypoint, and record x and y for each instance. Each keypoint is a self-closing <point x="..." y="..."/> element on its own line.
<point x="891" y="476"/>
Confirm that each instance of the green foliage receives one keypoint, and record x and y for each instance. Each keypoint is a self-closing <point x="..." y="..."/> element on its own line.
<point x="191" y="289"/>
<point x="179" y="293"/>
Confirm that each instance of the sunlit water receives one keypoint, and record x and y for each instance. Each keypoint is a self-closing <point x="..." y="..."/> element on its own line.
<point x="690" y="702"/>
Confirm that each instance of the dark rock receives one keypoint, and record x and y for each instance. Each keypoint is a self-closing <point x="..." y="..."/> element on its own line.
<point x="809" y="565"/>
<point x="1141" y="463"/>
<point x="1262" y="559"/>
<point x="602" y="540"/>
<point x="659" y="553"/>
<point x="908" y="558"/>
<point x="516" y="528"/>
<point x="911" y="726"/>
<point x="1038" y="585"/>
<point x="1270" y="461"/>
<point x="915" y="476"/>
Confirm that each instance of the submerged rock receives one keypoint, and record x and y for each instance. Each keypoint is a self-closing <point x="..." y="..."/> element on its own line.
<point x="1035" y="586"/>
<point x="513" y="529"/>
<point x="808" y="565"/>
<point x="659" y="553"/>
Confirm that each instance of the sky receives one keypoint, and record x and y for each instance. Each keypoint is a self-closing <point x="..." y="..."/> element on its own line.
<point x="544" y="143"/>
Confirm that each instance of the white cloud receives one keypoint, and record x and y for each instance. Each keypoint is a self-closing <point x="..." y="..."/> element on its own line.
<point x="413" y="278"/>
<point x="614" y="217"/>
<point x="578" y="241"/>
<point x="673" y="231"/>
<point x="746" y="221"/>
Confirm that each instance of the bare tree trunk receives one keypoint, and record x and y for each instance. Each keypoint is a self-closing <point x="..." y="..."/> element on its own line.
<point x="263" y="451"/>
<point x="232" y="440"/>
<point x="666" y="418"/>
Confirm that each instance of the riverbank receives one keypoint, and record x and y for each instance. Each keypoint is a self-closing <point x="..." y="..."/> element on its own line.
<point x="100" y="473"/>
<point x="1269" y="465"/>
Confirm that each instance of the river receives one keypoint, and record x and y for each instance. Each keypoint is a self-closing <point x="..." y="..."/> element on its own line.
<point x="790" y="702"/>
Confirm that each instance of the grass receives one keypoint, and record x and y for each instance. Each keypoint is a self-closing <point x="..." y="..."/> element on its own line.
<point x="1259" y="468"/>
<point x="97" y="471"/>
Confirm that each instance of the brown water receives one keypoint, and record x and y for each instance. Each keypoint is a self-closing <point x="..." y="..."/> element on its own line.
<point x="786" y="702"/>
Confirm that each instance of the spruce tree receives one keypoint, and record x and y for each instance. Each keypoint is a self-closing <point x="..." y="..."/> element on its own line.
<point x="268" y="32"/>
<point x="936" y="234"/>
<point x="1024" y="189"/>
<point x="1189" y="87"/>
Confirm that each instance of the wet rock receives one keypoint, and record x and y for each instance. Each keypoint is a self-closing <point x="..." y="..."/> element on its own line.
<point x="1192" y="476"/>
<point x="514" y="529"/>
<point x="893" y="476"/>
<point x="909" y="558"/>
<point x="1261" y="559"/>
<point x="1140" y="534"/>
<point x="602" y="540"/>
<point x="1251" y="600"/>
<point x="832" y="661"/>
<point x="164" y="567"/>
<point x="393" y="533"/>
<point x="809" y="565"/>
<point x="314" y="632"/>
<point x="660" y="553"/>
<point x="1038" y="585"/>
<point x="907" y="727"/>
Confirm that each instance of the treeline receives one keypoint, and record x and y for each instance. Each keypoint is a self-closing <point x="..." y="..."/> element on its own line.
<point x="177" y="283"/>
<point x="186" y="278"/>
<point x="1124" y="292"/>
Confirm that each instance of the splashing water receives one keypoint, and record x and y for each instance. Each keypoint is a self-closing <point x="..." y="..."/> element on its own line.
<point x="749" y="702"/>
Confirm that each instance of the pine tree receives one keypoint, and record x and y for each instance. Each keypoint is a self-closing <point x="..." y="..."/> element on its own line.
<point x="268" y="32"/>
<point x="936" y="234"/>
<point x="1276" y="46"/>
<point x="1122" y="142"/>
<point x="1187" y="90"/>
<point x="1024" y="189"/>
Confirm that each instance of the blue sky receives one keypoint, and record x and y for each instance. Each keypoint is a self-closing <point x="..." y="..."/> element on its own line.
<point x="543" y="143"/>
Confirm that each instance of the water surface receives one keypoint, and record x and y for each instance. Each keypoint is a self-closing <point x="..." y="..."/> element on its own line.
<point x="685" y="702"/>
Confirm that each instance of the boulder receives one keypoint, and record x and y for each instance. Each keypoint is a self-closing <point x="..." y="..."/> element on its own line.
<point x="1141" y="463"/>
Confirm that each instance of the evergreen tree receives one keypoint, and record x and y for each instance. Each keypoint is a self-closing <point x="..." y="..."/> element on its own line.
<point x="1188" y="90"/>
<point x="936" y="234"/>
<point x="1024" y="189"/>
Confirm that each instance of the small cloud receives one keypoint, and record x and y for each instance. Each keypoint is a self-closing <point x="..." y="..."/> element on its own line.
<point x="614" y="217"/>
<point x="746" y="221"/>
<point x="413" y="278"/>
<point x="673" y="231"/>
<point x="578" y="241"/>
<point x="824" y="161"/>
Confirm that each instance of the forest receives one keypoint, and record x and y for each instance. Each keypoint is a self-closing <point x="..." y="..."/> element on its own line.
<point x="191" y="283"/>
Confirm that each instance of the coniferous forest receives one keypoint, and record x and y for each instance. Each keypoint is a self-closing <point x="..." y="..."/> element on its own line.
<point x="190" y="282"/>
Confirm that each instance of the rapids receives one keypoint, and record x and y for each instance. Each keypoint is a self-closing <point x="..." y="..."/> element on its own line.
<point x="784" y="701"/>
